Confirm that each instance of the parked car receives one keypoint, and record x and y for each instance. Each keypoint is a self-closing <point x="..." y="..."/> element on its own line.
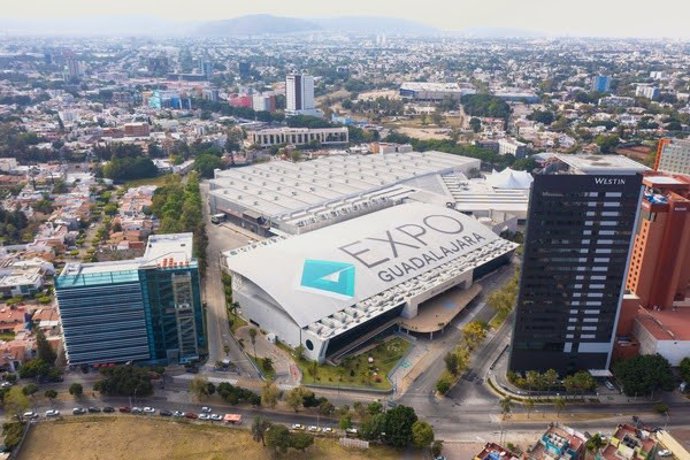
<point x="149" y="410"/>
<point x="191" y="415"/>
<point x="664" y="453"/>
<point x="351" y="432"/>
<point x="52" y="413"/>
<point x="328" y="430"/>
<point x="78" y="411"/>
<point x="204" y="417"/>
<point x="609" y="385"/>
<point x="125" y="410"/>
<point x="206" y="410"/>
<point x="178" y="414"/>
<point x="314" y="429"/>
<point x="30" y="415"/>
<point x="108" y="409"/>
<point x="137" y="410"/>
<point x="165" y="413"/>
<point x="216" y="417"/>
<point x="297" y="426"/>
<point x="94" y="409"/>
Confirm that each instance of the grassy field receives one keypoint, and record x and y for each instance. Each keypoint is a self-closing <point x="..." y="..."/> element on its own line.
<point x="355" y="371"/>
<point x="142" y="438"/>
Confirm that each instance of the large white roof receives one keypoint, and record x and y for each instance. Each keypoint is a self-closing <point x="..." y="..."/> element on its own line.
<point x="510" y="179"/>
<point x="317" y="274"/>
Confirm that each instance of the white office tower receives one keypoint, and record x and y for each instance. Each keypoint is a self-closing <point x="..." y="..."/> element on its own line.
<point x="299" y="92"/>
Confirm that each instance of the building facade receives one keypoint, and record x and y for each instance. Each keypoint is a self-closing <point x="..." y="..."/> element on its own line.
<point x="660" y="266"/>
<point x="673" y="156"/>
<point x="601" y="83"/>
<point x="298" y="136"/>
<point x="299" y="94"/>
<point x="581" y="221"/>
<point x="147" y="309"/>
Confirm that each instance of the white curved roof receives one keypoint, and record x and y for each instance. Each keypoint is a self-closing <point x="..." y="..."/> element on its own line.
<point x="509" y="178"/>
<point x="317" y="274"/>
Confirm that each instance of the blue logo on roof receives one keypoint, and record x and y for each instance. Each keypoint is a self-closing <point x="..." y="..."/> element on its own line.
<point x="324" y="275"/>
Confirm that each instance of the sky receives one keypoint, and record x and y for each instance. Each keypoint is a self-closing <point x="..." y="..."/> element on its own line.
<point x="615" y="18"/>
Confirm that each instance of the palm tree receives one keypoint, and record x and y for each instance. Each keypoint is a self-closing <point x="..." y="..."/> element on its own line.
<point x="529" y="405"/>
<point x="252" y="337"/>
<point x="560" y="404"/>
<point x="594" y="444"/>
<point x="259" y="428"/>
<point x="506" y="406"/>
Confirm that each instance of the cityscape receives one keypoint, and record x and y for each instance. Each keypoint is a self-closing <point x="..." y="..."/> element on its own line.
<point x="342" y="237"/>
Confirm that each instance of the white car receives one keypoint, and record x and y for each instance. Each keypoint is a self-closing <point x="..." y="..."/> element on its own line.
<point x="297" y="426"/>
<point x="664" y="453"/>
<point x="314" y="429"/>
<point x="149" y="410"/>
<point x="204" y="417"/>
<point x="328" y="430"/>
<point x="206" y="410"/>
<point x="178" y="414"/>
<point x="52" y="413"/>
<point x="31" y="415"/>
<point x="216" y="417"/>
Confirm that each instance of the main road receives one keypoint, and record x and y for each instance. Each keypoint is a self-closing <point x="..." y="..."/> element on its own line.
<point x="220" y="238"/>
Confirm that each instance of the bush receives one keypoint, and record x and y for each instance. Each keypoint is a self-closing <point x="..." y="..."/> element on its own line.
<point x="444" y="383"/>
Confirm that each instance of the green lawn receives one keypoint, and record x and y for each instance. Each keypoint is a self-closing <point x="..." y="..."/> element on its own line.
<point x="355" y="371"/>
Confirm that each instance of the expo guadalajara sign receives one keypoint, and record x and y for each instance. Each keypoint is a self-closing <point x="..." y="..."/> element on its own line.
<point x="384" y="253"/>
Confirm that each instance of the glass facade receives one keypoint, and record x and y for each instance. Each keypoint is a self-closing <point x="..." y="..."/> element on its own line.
<point x="577" y="242"/>
<point x="150" y="314"/>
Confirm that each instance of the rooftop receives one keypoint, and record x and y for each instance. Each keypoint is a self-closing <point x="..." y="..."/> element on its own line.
<point x="367" y="264"/>
<point x="666" y="324"/>
<point x="601" y="164"/>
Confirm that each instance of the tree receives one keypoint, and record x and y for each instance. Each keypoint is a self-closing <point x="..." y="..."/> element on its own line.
<point x="475" y="124"/>
<point x="267" y="364"/>
<point x="30" y="389"/>
<point x="278" y="438"/>
<point x="252" y="338"/>
<point x="644" y="374"/>
<point x="529" y="405"/>
<point x="550" y="378"/>
<point x="269" y="394"/>
<point x="34" y="368"/>
<point x="51" y="394"/>
<point x="595" y="443"/>
<point x="299" y="352"/>
<point x="559" y="403"/>
<point x="474" y="332"/>
<point x="259" y="428"/>
<point x="398" y="426"/>
<point x="125" y="380"/>
<point x="436" y="448"/>
<point x="44" y="350"/>
<point x="506" y="406"/>
<point x="345" y="422"/>
<point x="684" y="368"/>
<point x="76" y="390"/>
<point x="422" y="434"/>
<point x="452" y="363"/>
<point x="444" y="383"/>
<point x="206" y="163"/>
<point x="372" y="427"/>
<point x="199" y="387"/>
<point x="15" y="402"/>
<point x="301" y="441"/>
<point x="295" y="398"/>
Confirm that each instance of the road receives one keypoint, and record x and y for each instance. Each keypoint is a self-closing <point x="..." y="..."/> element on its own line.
<point x="220" y="238"/>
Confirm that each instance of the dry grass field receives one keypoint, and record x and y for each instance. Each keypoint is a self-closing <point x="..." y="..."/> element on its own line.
<point x="143" y="438"/>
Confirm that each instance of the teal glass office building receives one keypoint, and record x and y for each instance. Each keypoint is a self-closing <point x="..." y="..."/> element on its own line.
<point x="147" y="309"/>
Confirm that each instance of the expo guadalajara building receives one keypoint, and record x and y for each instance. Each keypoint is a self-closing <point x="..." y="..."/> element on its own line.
<point x="329" y="288"/>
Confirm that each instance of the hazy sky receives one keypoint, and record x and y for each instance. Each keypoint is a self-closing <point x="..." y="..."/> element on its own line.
<point x="660" y="18"/>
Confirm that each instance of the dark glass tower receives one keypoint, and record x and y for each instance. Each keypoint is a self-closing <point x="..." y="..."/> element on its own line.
<point x="582" y="216"/>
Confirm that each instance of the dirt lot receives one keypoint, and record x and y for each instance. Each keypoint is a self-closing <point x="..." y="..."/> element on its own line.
<point x="137" y="437"/>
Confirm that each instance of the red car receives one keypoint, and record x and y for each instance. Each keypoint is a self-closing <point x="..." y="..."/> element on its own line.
<point x="191" y="415"/>
<point x="125" y="410"/>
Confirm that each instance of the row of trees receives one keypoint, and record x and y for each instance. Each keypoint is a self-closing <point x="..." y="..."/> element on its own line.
<point x="178" y="206"/>
<point x="278" y="438"/>
<point x="579" y="382"/>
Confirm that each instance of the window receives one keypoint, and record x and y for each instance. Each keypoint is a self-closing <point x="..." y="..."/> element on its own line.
<point x="310" y="345"/>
